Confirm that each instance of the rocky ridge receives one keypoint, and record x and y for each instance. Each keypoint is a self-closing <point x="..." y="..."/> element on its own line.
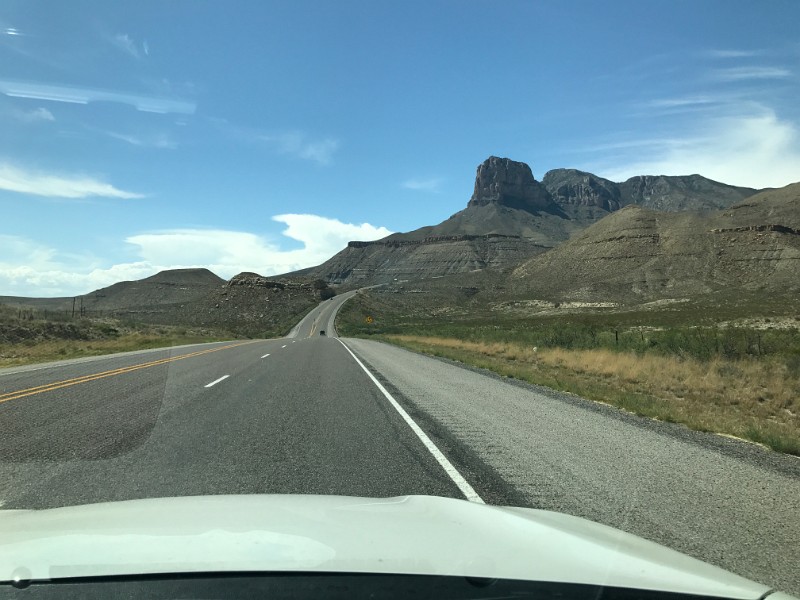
<point x="570" y="187"/>
<point x="512" y="217"/>
<point x="509" y="183"/>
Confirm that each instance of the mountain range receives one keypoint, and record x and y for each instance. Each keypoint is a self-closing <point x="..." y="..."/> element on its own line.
<point x="511" y="217"/>
<point x="573" y="236"/>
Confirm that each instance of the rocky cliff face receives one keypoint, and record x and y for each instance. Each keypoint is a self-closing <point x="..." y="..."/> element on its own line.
<point x="570" y="187"/>
<point x="509" y="183"/>
<point x="688" y="192"/>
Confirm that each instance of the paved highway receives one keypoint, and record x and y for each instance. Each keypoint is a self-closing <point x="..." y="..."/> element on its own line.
<point x="315" y="414"/>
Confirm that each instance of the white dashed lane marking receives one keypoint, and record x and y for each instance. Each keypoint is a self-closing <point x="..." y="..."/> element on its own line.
<point x="216" y="381"/>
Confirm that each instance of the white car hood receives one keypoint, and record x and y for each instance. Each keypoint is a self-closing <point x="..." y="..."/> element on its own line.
<point x="410" y="534"/>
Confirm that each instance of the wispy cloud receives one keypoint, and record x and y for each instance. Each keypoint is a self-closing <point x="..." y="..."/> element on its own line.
<point x="29" y="268"/>
<point x="745" y="73"/>
<point x="423" y="185"/>
<point x="33" y="116"/>
<point x="631" y="144"/>
<point x="124" y="42"/>
<point x="681" y="102"/>
<point x="80" y="95"/>
<point x="732" y="53"/>
<point x="302" y="146"/>
<point x="159" y="140"/>
<point x="15" y="179"/>
<point x="293" y="143"/>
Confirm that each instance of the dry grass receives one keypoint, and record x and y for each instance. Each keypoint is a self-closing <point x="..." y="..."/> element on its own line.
<point x="42" y="351"/>
<point x="753" y="399"/>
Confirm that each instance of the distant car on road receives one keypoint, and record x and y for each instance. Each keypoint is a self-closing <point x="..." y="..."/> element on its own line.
<point x="322" y="332"/>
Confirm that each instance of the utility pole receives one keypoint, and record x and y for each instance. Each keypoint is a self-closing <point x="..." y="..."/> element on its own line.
<point x="73" y="307"/>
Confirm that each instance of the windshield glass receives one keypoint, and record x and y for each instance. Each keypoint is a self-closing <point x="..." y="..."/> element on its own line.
<point x="522" y="254"/>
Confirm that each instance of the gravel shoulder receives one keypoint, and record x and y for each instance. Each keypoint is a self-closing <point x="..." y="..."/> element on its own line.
<point x="727" y="502"/>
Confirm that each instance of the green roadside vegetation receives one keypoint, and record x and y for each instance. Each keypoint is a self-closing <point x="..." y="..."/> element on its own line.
<point x="26" y="336"/>
<point x="704" y="368"/>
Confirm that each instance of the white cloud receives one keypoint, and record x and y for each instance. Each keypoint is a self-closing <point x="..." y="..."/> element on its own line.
<point x="230" y="252"/>
<point x="35" y="115"/>
<point x="300" y="145"/>
<point x="14" y="179"/>
<point x="322" y="237"/>
<point x="30" y="269"/>
<point x="755" y="150"/>
<point x="423" y="185"/>
<point x="745" y="73"/>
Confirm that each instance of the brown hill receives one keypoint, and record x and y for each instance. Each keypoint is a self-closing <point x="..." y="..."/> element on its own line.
<point x="166" y="287"/>
<point x="368" y="263"/>
<point x="247" y="305"/>
<point x="636" y="254"/>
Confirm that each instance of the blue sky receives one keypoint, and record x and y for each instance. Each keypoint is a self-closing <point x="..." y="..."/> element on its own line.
<point x="262" y="136"/>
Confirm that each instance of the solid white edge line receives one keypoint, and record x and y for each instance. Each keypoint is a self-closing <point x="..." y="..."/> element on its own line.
<point x="216" y="381"/>
<point x="265" y="356"/>
<point x="463" y="485"/>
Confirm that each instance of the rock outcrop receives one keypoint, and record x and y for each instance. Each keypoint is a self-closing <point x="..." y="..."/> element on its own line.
<point x="509" y="183"/>
<point x="570" y="187"/>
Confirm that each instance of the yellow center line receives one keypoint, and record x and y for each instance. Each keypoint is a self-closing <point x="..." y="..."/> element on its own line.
<point x="103" y="374"/>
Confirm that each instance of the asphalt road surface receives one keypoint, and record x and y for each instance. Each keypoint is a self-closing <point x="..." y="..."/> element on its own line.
<point x="314" y="414"/>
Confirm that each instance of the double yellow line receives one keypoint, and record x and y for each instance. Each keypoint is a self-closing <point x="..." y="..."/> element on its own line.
<point x="94" y="376"/>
